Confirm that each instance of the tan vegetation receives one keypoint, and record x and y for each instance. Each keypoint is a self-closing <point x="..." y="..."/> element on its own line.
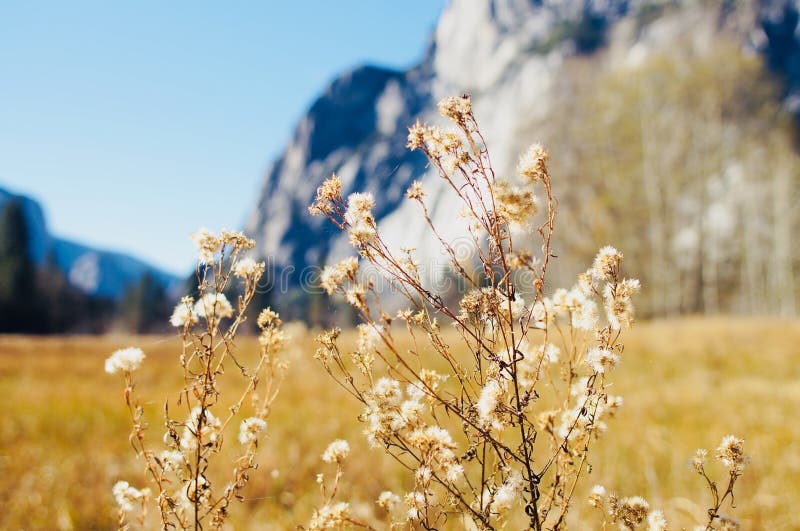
<point x="193" y="487"/>
<point x="686" y="161"/>
<point x="688" y="383"/>
<point x="491" y="421"/>
<point x="501" y="435"/>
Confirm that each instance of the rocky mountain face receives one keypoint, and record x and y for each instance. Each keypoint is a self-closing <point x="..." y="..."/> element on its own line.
<point x="94" y="272"/>
<point x="522" y="61"/>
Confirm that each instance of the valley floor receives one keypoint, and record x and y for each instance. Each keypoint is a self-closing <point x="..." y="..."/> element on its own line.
<point x="686" y="384"/>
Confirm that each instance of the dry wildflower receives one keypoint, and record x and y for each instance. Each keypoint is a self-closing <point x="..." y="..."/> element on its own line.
<point x="268" y="318"/>
<point x="183" y="314"/>
<point x="423" y="475"/>
<point x="606" y="263"/>
<point x="271" y="338"/>
<point x="416" y="136"/>
<point x="543" y="313"/>
<point x="533" y="164"/>
<point x="586" y="284"/>
<point x="545" y="420"/>
<point x="436" y="445"/>
<point x="236" y="240"/>
<point x="597" y="496"/>
<point x="627" y="288"/>
<point x="584" y="315"/>
<point x="249" y="268"/>
<point x="507" y="493"/>
<point x="128" y="496"/>
<point x="387" y="392"/>
<point x="415" y="191"/>
<point x="332" y="277"/>
<point x="201" y="426"/>
<point x="250" y="429"/>
<point x="182" y="471"/>
<point x="358" y="206"/>
<point x="434" y="141"/>
<point x="727" y="523"/>
<point x="731" y="453"/>
<point x="410" y="414"/>
<point x="656" y="521"/>
<point x="336" y="452"/>
<point x="369" y="336"/>
<point x="330" y="516"/>
<point x="619" y="312"/>
<point x="388" y="500"/>
<point x="699" y="460"/>
<point x="486" y="405"/>
<point x="550" y="353"/>
<point x="213" y="305"/>
<point x="359" y="217"/>
<point x="328" y="341"/>
<point x="431" y="380"/>
<point x="327" y="194"/>
<point x="515" y="205"/>
<point x="453" y="472"/>
<point x="458" y="108"/>
<point x="172" y="460"/>
<point x="478" y="441"/>
<point x="471" y="304"/>
<point x="629" y="512"/>
<point x="208" y="245"/>
<point x="416" y="503"/>
<point x="613" y="403"/>
<point x="126" y="360"/>
<point x="356" y="296"/>
<point x="600" y="359"/>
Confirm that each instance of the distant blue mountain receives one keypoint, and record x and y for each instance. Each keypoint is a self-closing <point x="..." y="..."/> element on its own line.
<point x="95" y="272"/>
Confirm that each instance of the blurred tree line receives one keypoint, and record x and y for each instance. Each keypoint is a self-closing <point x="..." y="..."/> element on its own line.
<point x="38" y="299"/>
<point x="688" y="162"/>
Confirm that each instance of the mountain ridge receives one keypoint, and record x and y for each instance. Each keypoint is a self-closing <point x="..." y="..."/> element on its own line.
<point x="515" y="58"/>
<point x="95" y="272"/>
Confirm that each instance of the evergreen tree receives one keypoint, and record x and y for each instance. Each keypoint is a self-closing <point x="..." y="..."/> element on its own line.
<point x="18" y="296"/>
<point x="145" y="307"/>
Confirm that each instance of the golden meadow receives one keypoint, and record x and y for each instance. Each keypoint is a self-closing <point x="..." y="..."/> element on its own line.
<point x="63" y="437"/>
<point x="523" y="415"/>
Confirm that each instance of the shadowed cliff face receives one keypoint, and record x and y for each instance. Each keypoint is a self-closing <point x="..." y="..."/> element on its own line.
<point x="357" y="128"/>
<point x="513" y="57"/>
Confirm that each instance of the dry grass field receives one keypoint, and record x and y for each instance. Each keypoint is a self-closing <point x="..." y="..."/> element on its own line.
<point x="686" y="383"/>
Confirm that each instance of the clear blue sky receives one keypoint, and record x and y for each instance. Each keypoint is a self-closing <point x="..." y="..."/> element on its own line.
<point x="136" y="122"/>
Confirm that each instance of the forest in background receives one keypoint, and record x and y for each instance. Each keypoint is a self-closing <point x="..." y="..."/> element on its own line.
<point x="688" y="162"/>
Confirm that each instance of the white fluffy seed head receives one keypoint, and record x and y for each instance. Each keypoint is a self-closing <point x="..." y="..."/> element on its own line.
<point x="126" y="360"/>
<point x="336" y="452"/>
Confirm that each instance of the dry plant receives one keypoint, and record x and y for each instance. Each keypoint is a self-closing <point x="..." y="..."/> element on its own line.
<point x="630" y="512"/>
<point x="193" y="491"/>
<point x="503" y="437"/>
<point x="334" y="514"/>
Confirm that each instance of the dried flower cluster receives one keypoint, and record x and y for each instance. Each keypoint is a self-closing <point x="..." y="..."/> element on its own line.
<point x="186" y="493"/>
<point x="730" y="453"/>
<point x="504" y="435"/>
<point x="334" y="514"/>
<point x="633" y="512"/>
<point x="492" y="402"/>
<point x="627" y="513"/>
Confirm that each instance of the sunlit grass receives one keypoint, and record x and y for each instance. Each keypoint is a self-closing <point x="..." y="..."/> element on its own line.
<point x="686" y="383"/>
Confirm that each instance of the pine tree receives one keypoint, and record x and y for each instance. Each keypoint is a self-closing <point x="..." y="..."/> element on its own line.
<point x="145" y="307"/>
<point x="17" y="272"/>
